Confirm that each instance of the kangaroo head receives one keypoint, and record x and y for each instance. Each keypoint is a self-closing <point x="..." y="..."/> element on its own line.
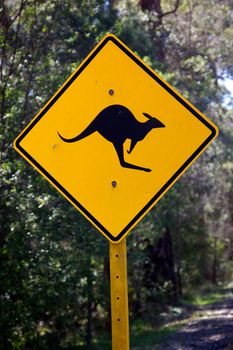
<point x="155" y="123"/>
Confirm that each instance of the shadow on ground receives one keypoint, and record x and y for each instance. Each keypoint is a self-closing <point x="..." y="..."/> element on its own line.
<point x="211" y="329"/>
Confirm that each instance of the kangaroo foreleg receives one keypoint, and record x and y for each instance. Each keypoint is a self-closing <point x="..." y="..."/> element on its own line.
<point x="120" y="152"/>
<point x="132" y="145"/>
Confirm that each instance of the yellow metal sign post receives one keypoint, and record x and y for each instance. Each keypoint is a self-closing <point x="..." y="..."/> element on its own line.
<point x="119" y="296"/>
<point x="112" y="140"/>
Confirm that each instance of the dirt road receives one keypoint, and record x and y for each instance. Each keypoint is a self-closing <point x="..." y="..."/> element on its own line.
<point x="211" y="329"/>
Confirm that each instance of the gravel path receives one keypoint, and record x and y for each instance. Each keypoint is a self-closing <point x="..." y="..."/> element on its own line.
<point x="212" y="329"/>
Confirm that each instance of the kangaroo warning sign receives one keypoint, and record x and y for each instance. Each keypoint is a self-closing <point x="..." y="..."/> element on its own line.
<point x="114" y="138"/>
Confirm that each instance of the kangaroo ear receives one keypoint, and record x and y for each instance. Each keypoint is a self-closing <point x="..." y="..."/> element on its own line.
<point x="148" y="115"/>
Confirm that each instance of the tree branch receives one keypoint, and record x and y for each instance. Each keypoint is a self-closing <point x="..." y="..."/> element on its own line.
<point x="177" y="4"/>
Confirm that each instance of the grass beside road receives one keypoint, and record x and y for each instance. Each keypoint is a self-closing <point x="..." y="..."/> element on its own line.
<point x="148" y="336"/>
<point x="142" y="337"/>
<point x="205" y="298"/>
<point x="145" y="334"/>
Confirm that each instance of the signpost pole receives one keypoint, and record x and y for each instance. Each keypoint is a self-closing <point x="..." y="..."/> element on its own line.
<point x="119" y="296"/>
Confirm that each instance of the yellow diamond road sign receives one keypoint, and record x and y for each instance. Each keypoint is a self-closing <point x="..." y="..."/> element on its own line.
<point x="115" y="138"/>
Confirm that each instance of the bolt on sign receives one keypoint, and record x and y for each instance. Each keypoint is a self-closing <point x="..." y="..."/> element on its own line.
<point x="114" y="138"/>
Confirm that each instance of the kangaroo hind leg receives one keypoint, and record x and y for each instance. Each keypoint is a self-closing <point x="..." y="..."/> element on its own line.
<point x="120" y="152"/>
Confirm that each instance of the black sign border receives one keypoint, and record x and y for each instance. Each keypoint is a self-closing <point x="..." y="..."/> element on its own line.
<point x="168" y="183"/>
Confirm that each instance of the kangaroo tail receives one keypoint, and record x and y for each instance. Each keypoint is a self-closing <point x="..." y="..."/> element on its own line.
<point x="68" y="140"/>
<point x="88" y="131"/>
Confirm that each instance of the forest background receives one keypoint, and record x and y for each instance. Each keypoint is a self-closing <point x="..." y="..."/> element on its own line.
<point x="54" y="274"/>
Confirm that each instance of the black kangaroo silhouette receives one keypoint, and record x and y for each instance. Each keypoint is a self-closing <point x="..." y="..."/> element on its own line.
<point x="116" y="124"/>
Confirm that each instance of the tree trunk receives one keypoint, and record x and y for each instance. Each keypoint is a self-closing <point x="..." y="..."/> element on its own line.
<point x="215" y="261"/>
<point x="179" y="282"/>
<point x="106" y="284"/>
<point x="89" y="306"/>
<point x="170" y="257"/>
